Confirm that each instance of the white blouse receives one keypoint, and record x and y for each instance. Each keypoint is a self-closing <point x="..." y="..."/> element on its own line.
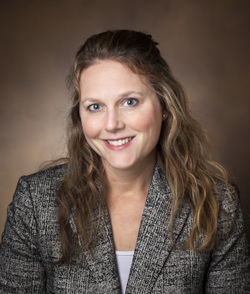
<point x="124" y="262"/>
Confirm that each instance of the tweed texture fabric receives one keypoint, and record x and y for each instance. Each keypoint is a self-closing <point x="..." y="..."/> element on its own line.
<point x="31" y="244"/>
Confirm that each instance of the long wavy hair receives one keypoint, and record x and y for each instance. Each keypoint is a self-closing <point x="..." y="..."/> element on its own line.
<point x="183" y="149"/>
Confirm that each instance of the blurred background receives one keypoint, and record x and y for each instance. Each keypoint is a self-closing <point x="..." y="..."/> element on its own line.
<point x="207" y="44"/>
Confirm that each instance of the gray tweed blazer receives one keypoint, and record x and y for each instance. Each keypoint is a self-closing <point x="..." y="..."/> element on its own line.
<point x="31" y="243"/>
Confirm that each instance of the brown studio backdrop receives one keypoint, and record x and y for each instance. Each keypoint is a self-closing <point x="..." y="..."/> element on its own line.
<point x="205" y="42"/>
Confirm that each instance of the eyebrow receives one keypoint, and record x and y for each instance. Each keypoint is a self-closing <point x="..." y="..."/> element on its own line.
<point x="128" y="93"/>
<point x="123" y="95"/>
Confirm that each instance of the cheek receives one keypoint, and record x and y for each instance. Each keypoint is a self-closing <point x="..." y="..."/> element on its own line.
<point x="149" y="123"/>
<point x="150" y="127"/>
<point x="90" y="129"/>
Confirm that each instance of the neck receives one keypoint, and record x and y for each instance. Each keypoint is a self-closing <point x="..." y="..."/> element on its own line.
<point x="134" y="182"/>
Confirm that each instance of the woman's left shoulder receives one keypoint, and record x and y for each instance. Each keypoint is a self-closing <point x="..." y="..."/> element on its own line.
<point x="231" y="222"/>
<point x="229" y="268"/>
<point x="228" y="196"/>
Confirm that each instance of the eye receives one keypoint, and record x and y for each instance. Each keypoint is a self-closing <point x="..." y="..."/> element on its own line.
<point x="94" y="107"/>
<point x="131" y="102"/>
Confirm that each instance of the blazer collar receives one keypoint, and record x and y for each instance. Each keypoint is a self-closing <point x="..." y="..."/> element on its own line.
<point x="153" y="243"/>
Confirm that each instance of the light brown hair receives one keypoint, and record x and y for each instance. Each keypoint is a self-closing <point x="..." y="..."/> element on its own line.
<point x="183" y="148"/>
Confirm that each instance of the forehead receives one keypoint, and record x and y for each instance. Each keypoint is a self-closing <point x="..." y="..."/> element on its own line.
<point x="111" y="76"/>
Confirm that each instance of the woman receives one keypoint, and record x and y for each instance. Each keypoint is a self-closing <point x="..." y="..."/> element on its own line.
<point x="139" y="205"/>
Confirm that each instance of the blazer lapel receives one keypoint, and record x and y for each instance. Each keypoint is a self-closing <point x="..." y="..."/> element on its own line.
<point x="102" y="265"/>
<point x="153" y="244"/>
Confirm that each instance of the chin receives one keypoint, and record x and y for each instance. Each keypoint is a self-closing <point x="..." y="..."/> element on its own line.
<point x="119" y="164"/>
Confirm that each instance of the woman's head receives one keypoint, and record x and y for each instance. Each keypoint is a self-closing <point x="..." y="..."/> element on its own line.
<point x="140" y="54"/>
<point x="121" y="116"/>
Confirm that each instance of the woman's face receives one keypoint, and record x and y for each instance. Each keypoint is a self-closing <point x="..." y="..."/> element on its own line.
<point x="121" y="115"/>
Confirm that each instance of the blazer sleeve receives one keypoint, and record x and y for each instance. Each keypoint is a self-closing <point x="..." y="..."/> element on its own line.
<point x="229" y="270"/>
<point x="21" y="269"/>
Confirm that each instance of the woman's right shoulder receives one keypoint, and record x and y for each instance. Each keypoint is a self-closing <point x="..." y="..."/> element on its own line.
<point x="43" y="183"/>
<point x="51" y="174"/>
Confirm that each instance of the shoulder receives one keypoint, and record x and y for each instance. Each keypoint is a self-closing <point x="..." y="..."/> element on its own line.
<point x="228" y="197"/>
<point x="230" y="218"/>
<point x="230" y="263"/>
<point x="41" y="186"/>
<point x="44" y="178"/>
<point x="57" y="171"/>
<point x="35" y="199"/>
<point x="32" y="226"/>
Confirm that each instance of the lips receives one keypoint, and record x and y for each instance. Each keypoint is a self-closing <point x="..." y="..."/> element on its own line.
<point x="119" y="142"/>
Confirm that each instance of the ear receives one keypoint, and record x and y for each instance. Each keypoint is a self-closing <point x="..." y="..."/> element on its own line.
<point x="164" y="114"/>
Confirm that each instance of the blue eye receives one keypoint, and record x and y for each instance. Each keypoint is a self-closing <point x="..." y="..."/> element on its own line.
<point x="94" y="107"/>
<point x="131" y="102"/>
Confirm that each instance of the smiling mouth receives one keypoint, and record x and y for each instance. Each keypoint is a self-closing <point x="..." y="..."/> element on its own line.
<point x="119" y="142"/>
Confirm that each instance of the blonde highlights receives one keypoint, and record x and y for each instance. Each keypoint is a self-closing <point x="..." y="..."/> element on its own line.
<point x="183" y="148"/>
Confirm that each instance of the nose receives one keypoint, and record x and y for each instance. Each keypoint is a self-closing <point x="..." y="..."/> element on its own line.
<point x="114" y="122"/>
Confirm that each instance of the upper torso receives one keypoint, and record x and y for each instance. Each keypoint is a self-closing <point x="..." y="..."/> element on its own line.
<point x="31" y="244"/>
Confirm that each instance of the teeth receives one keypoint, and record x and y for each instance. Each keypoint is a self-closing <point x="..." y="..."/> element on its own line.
<point x="119" y="142"/>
